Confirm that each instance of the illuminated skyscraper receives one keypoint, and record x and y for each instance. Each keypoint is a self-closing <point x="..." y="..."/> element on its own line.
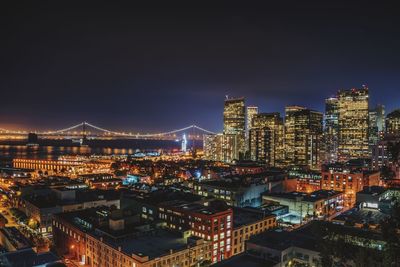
<point x="376" y="124"/>
<point x="260" y="144"/>
<point x="380" y="118"/>
<point x="234" y="124"/>
<point x="353" y="124"/>
<point x="221" y="147"/>
<point x="331" y="130"/>
<point x="230" y="150"/>
<point x="251" y="112"/>
<point x="303" y="134"/>
<point x="266" y="138"/>
<point x="373" y="132"/>
<point x="213" y="147"/>
<point x="393" y="123"/>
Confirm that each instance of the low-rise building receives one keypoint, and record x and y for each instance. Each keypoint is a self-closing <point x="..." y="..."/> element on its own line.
<point x="302" y="246"/>
<point x="306" y="180"/>
<point x="13" y="240"/>
<point x="249" y="222"/>
<point x="96" y="237"/>
<point x="245" y="190"/>
<point x="244" y="259"/>
<point x="286" y="248"/>
<point x="105" y="184"/>
<point x="101" y="180"/>
<point x="233" y="192"/>
<point x="349" y="181"/>
<point x="147" y="203"/>
<point x="208" y="219"/>
<point x="303" y="206"/>
<point x="247" y="167"/>
<point x="41" y="208"/>
<point x="29" y="257"/>
<point x="66" y="165"/>
<point x="377" y="198"/>
<point x="212" y="223"/>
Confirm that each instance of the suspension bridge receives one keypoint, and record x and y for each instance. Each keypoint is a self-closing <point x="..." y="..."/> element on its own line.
<point x="88" y="130"/>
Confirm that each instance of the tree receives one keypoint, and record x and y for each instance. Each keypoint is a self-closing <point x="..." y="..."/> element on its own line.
<point x="390" y="232"/>
<point x="335" y="250"/>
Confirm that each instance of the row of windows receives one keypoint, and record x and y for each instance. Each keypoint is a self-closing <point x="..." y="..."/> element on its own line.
<point x="102" y="253"/>
<point x="187" y="258"/>
<point x="269" y="222"/>
<point x="66" y="230"/>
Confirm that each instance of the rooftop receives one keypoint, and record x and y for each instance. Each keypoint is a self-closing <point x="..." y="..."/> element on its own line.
<point x="309" y="197"/>
<point x="95" y="175"/>
<point x="28" y="257"/>
<point x="245" y="260"/>
<point x="16" y="238"/>
<point x="247" y="164"/>
<point x="212" y="208"/>
<point x="244" y="216"/>
<point x="234" y="182"/>
<point x="140" y="238"/>
<point x="159" y="196"/>
<point x="373" y="190"/>
<point x="351" y="166"/>
<point x="355" y="216"/>
<point x="272" y="208"/>
<point x="156" y="244"/>
<point x="303" y="237"/>
<point x="86" y="195"/>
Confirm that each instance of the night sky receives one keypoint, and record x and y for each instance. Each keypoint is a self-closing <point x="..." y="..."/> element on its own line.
<point x="164" y="67"/>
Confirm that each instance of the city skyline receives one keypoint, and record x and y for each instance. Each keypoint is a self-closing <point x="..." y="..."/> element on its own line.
<point x="155" y="69"/>
<point x="12" y="127"/>
<point x="171" y="134"/>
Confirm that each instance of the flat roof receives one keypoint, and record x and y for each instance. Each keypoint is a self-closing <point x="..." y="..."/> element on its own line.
<point x="371" y="190"/>
<point x="303" y="237"/>
<point x="234" y="182"/>
<point x="213" y="207"/>
<point x="16" y="238"/>
<point x="245" y="260"/>
<point x="154" y="245"/>
<point x="309" y="197"/>
<point x="361" y="216"/>
<point x="153" y="242"/>
<point x="244" y="216"/>
<point x="161" y="195"/>
<point x="81" y="196"/>
<point x="28" y="257"/>
<point x="272" y="208"/>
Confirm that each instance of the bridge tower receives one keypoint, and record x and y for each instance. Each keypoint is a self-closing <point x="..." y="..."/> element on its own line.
<point x="193" y="142"/>
<point x="84" y="135"/>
